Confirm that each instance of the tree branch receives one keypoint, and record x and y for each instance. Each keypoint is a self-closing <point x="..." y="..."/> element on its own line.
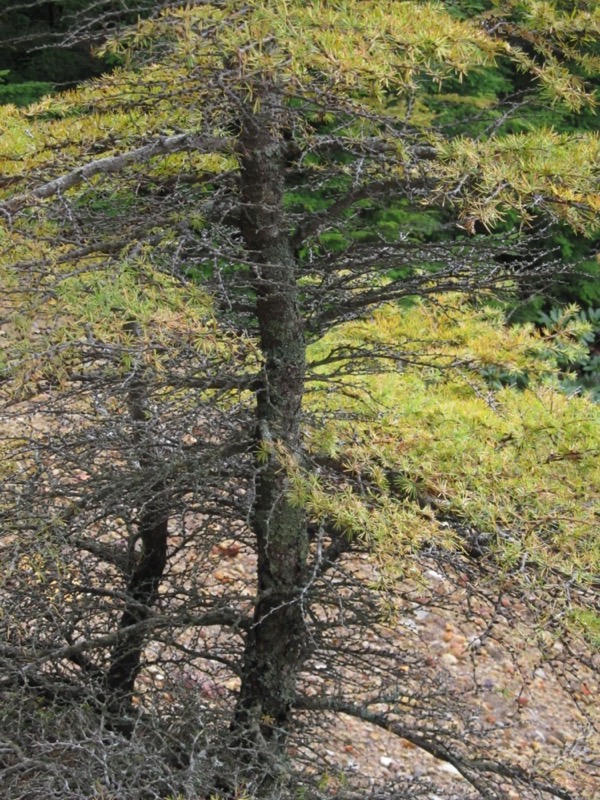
<point x="336" y="209"/>
<point x="467" y="767"/>
<point x="105" y="166"/>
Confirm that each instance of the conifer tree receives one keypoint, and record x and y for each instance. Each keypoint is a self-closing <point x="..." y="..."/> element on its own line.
<point x="207" y="354"/>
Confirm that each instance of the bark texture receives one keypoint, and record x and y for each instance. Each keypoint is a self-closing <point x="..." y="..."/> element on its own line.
<point x="142" y="592"/>
<point x="276" y="643"/>
<point x="145" y="570"/>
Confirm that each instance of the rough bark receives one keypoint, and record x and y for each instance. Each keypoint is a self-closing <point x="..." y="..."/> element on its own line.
<point x="145" y="570"/>
<point x="142" y="592"/>
<point x="276" y="644"/>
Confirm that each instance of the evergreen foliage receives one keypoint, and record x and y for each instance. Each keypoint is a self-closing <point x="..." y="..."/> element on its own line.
<point x="236" y="317"/>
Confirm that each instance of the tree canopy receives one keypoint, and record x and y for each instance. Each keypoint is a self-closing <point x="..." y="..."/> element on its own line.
<point x="224" y="333"/>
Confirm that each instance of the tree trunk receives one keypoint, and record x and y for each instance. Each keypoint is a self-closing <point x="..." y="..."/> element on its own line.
<point x="145" y="571"/>
<point x="142" y="593"/>
<point x="276" y="644"/>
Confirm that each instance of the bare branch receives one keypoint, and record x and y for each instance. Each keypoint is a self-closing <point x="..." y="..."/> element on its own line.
<point x="111" y="164"/>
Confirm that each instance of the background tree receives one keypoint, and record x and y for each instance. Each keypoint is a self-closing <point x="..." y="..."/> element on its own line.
<point x="175" y="305"/>
<point x="47" y="44"/>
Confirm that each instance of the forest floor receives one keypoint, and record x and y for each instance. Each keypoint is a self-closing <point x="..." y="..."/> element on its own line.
<point x="539" y="709"/>
<point x="537" y="705"/>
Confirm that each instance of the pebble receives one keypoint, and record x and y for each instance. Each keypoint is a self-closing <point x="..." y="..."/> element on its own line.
<point x="435" y="576"/>
<point x="410" y="624"/>
<point x="449" y="660"/>
<point x="223" y="577"/>
<point x="449" y="768"/>
<point x="558" y="739"/>
<point x="535" y="736"/>
<point x="458" y="649"/>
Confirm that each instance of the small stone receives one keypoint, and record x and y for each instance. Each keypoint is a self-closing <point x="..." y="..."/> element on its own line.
<point x="558" y="738"/>
<point x="229" y="548"/>
<point x="458" y="650"/>
<point x="535" y="736"/>
<point x="536" y="746"/>
<point x="449" y="660"/>
<point x="449" y="768"/>
<point x="385" y="761"/>
<point x="410" y="624"/>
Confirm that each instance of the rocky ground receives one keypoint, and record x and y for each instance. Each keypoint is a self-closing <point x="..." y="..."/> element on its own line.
<point x="535" y="696"/>
<point x="537" y="703"/>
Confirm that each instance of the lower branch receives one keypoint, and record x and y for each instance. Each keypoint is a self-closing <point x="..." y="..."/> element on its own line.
<point x="472" y="770"/>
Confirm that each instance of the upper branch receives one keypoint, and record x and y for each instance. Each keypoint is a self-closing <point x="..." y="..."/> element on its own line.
<point x="104" y="166"/>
